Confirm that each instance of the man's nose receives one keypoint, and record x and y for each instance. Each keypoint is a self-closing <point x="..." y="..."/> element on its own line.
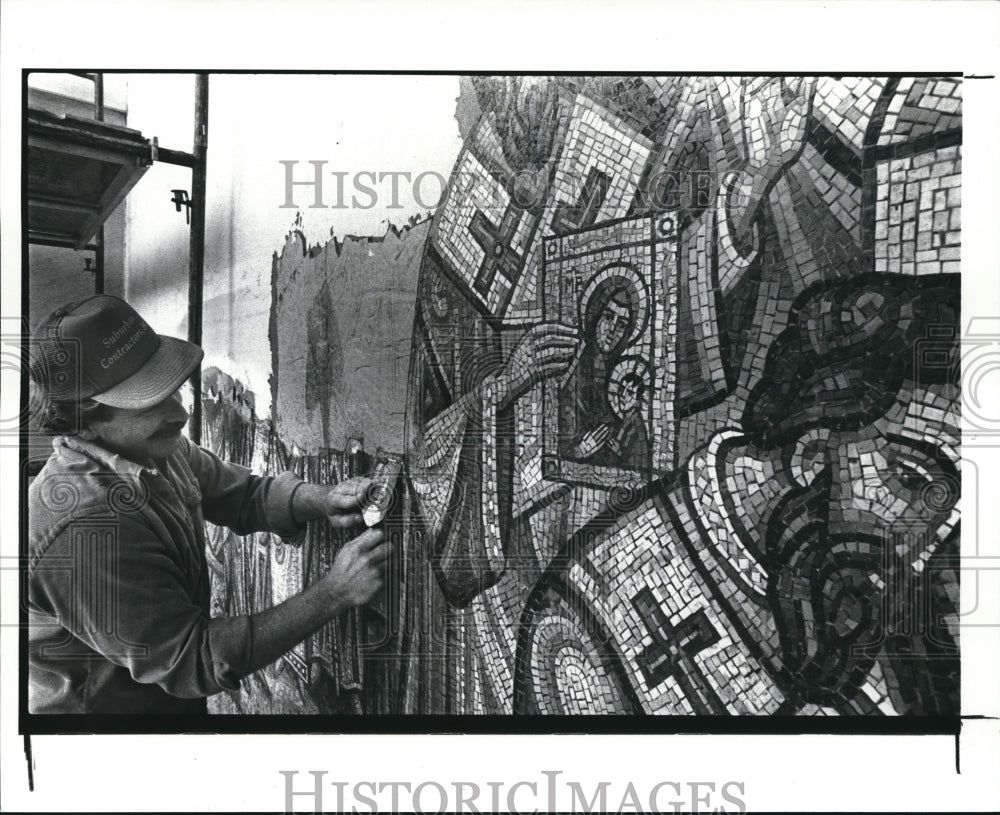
<point x="175" y="410"/>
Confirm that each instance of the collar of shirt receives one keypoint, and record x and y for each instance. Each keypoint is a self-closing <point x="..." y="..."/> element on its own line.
<point x="168" y="474"/>
<point x="112" y="462"/>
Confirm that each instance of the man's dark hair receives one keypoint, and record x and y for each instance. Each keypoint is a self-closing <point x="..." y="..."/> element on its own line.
<point x="847" y="350"/>
<point x="66" y="418"/>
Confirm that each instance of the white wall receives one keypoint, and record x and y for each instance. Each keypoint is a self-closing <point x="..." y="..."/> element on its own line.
<point x="355" y="123"/>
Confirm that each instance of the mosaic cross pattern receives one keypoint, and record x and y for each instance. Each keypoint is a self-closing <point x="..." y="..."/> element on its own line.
<point x="682" y="421"/>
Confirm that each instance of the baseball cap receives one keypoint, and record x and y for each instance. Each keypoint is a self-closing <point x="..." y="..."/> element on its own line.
<point x="100" y="348"/>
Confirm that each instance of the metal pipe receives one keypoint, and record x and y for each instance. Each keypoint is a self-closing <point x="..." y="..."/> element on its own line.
<point x="99" y="262"/>
<point x="99" y="253"/>
<point x="196" y="270"/>
<point x="181" y="159"/>
<point x="99" y="97"/>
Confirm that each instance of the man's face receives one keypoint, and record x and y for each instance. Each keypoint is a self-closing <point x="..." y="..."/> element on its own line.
<point x="151" y="433"/>
<point x="611" y="327"/>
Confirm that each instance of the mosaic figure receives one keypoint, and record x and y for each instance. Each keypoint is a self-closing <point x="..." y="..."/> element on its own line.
<point x="626" y="436"/>
<point x="586" y="414"/>
<point x="682" y="411"/>
<point x="786" y="568"/>
<point x="716" y="516"/>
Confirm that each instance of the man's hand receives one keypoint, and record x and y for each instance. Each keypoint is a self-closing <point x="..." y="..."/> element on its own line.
<point x="544" y="351"/>
<point x="356" y="575"/>
<point x="346" y="500"/>
<point x="353" y="580"/>
<point x="341" y="504"/>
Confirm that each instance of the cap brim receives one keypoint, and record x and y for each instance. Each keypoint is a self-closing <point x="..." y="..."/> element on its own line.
<point x="161" y="375"/>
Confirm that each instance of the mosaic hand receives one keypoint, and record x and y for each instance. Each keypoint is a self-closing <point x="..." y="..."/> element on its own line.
<point x="593" y="441"/>
<point x="545" y="350"/>
<point x="776" y="115"/>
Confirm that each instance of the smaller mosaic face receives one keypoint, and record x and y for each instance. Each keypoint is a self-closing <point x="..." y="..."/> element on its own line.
<point x="608" y="284"/>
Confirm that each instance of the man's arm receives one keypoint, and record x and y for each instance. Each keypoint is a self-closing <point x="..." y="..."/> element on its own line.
<point x="143" y="617"/>
<point x="353" y="580"/>
<point x="340" y="504"/>
<point x="233" y="496"/>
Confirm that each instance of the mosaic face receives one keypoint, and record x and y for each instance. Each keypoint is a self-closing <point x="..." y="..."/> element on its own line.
<point x="612" y="326"/>
<point x="629" y="394"/>
<point x="902" y="479"/>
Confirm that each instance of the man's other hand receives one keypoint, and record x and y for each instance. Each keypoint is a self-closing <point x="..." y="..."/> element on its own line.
<point x="356" y="575"/>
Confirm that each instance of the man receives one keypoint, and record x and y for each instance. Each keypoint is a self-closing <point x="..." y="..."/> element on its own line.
<point x="118" y="585"/>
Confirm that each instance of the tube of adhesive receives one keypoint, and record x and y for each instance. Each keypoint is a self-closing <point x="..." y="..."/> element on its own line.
<point x="387" y="470"/>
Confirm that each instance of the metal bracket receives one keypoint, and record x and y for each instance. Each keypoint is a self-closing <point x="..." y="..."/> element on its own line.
<point x="181" y="199"/>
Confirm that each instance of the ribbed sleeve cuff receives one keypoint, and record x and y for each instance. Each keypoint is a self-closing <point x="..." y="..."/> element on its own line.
<point x="279" y="507"/>
<point x="230" y="642"/>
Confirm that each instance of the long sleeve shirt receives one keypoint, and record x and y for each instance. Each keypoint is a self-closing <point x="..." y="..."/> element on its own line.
<point x="118" y="591"/>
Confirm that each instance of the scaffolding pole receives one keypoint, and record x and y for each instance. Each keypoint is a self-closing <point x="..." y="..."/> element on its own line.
<point x="196" y="272"/>
<point x="99" y="251"/>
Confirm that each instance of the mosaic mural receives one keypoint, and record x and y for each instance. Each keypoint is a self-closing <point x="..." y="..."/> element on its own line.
<point x="682" y="425"/>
